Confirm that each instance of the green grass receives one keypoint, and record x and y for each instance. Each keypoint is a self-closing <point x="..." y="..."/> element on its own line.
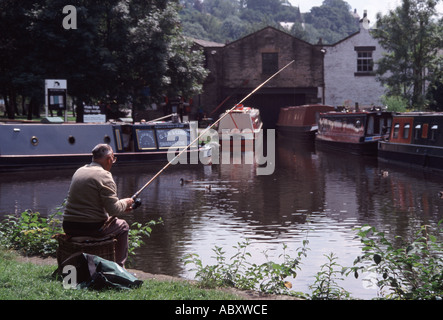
<point x="27" y="281"/>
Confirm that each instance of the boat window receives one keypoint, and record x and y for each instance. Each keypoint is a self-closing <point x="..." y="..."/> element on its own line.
<point x="396" y="130"/>
<point x="406" y="130"/>
<point x="389" y="126"/>
<point x="417" y="131"/>
<point x="434" y="132"/>
<point x="370" y="129"/>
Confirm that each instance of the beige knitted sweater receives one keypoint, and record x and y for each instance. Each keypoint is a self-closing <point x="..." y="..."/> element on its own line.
<point x="92" y="195"/>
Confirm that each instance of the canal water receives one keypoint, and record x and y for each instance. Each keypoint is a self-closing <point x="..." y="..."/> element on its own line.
<point x="316" y="196"/>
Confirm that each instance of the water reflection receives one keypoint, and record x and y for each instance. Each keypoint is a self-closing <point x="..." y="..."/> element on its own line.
<point x="311" y="195"/>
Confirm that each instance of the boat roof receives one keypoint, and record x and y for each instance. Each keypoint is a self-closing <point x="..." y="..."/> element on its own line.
<point x="417" y="113"/>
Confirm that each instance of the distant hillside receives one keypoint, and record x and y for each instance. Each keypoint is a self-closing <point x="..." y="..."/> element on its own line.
<point x="228" y="20"/>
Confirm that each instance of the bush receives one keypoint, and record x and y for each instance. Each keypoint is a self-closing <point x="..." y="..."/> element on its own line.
<point x="326" y="286"/>
<point x="33" y="234"/>
<point x="410" y="270"/>
<point x="395" y="103"/>
<point x="268" y="277"/>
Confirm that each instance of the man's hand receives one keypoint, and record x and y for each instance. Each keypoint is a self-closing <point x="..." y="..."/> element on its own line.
<point x="129" y="202"/>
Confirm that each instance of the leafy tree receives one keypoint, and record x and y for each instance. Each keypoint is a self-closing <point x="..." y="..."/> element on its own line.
<point x="435" y="95"/>
<point x="270" y="6"/>
<point x="233" y="27"/>
<point x="332" y="20"/>
<point x="16" y="68"/>
<point x="118" y="50"/>
<point x="412" y="37"/>
<point x="221" y="8"/>
<point x="186" y="73"/>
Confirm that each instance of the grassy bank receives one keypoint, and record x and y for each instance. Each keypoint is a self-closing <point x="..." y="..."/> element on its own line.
<point x="28" y="281"/>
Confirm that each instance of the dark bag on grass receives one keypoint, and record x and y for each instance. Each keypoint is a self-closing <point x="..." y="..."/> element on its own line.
<point x="97" y="273"/>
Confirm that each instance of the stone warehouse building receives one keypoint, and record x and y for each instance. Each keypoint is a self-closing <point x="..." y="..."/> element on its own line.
<point x="337" y="75"/>
<point x="239" y="67"/>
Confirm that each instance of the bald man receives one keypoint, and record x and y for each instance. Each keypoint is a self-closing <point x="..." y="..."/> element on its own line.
<point x="92" y="204"/>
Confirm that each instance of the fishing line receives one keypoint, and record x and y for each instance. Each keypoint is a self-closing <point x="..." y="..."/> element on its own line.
<point x="137" y="201"/>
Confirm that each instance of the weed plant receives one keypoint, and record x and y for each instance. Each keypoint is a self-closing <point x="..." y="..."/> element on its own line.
<point x="325" y="286"/>
<point x="406" y="270"/>
<point x="268" y="277"/>
<point x="32" y="234"/>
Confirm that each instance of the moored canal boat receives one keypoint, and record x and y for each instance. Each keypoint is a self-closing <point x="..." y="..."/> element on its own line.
<point x="26" y="145"/>
<point x="300" y="122"/>
<point x="240" y="127"/>
<point x="416" y="139"/>
<point x="353" y="132"/>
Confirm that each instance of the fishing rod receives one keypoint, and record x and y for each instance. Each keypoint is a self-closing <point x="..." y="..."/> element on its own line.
<point x="137" y="200"/>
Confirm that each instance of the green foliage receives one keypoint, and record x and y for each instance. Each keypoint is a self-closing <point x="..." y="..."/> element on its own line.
<point x="332" y="21"/>
<point x="411" y="35"/>
<point x="394" y="103"/>
<point x="435" y="93"/>
<point x="408" y="270"/>
<point x="33" y="234"/>
<point x="268" y="277"/>
<point x="228" y="20"/>
<point x="325" y="286"/>
<point x="118" y="49"/>
<point x="138" y="231"/>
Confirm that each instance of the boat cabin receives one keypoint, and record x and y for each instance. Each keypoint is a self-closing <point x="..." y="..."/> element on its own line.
<point x="421" y="129"/>
<point x="240" y="120"/>
<point x="26" y="145"/>
<point x="416" y="139"/>
<point x="357" y="132"/>
<point x="301" y="122"/>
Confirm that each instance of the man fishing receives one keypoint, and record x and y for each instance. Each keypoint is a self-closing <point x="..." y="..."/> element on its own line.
<point x="92" y="203"/>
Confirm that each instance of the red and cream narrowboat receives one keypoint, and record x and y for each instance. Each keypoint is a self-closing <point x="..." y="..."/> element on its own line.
<point x="353" y="132"/>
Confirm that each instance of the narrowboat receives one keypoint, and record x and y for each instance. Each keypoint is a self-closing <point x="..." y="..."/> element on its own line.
<point x="28" y="145"/>
<point x="240" y="127"/>
<point x="416" y="140"/>
<point x="301" y="122"/>
<point x="353" y="132"/>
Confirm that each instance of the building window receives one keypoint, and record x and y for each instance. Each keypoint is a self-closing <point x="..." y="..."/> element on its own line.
<point x="365" y="61"/>
<point x="269" y="63"/>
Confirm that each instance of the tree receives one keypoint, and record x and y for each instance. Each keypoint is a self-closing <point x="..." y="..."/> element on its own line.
<point x="186" y="73"/>
<point x="332" y="20"/>
<point x="119" y="49"/>
<point x="412" y="37"/>
<point x="17" y="75"/>
<point x="269" y="6"/>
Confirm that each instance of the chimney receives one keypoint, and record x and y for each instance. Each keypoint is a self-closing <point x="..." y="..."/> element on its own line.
<point x="364" y="22"/>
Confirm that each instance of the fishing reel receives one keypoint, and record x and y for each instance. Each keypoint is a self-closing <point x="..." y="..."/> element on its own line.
<point x="137" y="203"/>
